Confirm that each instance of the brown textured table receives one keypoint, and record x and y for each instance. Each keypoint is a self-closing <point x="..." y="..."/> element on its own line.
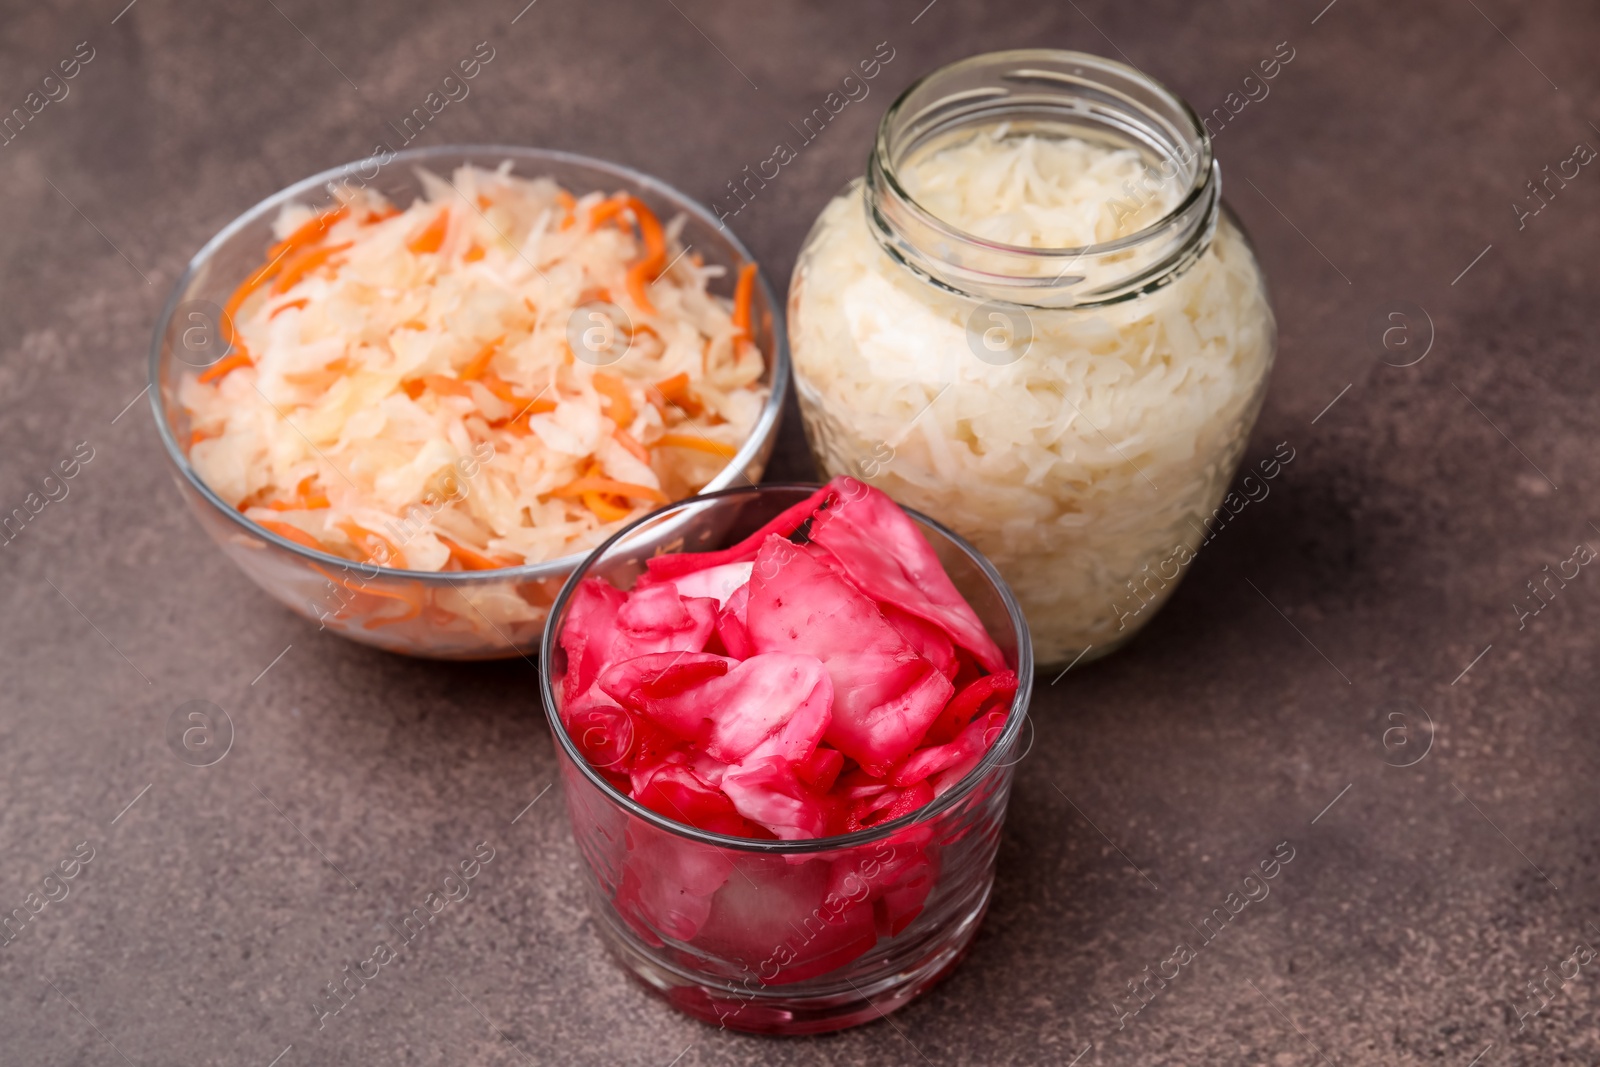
<point x="1372" y="591"/>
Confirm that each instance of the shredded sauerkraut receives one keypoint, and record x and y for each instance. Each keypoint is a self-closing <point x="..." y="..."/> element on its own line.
<point x="402" y="388"/>
<point x="1079" y="466"/>
<point x="1036" y="192"/>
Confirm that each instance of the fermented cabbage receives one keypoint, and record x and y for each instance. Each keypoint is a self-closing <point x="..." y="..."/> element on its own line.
<point x="404" y="389"/>
<point x="1080" y="467"/>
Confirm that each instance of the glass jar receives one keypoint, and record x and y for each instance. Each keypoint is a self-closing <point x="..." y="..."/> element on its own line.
<point x="774" y="936"/>
<point x="1076" y="412"/>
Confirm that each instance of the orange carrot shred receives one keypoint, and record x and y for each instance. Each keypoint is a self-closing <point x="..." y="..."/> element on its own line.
<point x="446" y="386"/>
<point x="370" y="541"/>
<point x="363" y="587"/>
<point x="471" y="559"/>
<point x="499" y="387"/>
<point x="375" y="589"/>
<point x="591" y="483"/>
<point x="655" y="240"/>
<point x="642" y="273"/>
<point x="743" y="295"/>
<point x="303" y="503"/>
<point x="604" y="509"/>
<point x="230" y="310"/>
<point x="638" y="279"/>
<point x="675" y="387"/>
<point x="222" y="366"/>
<point x="303" y="264"/>
<point x="432" y="235"/>
<point x="606" y="210"/>
<point x="302" y="302"/>
<point x="675" y="391"/>
<point x="290" y="532"/>
<point x="502" y="389"/>
<point x="518" y="423"/>
<point x="304" y="498"/>
<point x="307" y="232"/>
<point x="480" y="362"/>
<point x="538" y="407"/>
<point x="628" y="441"/>
<point x="615" y="390"/>
<point x="704" y="444"/>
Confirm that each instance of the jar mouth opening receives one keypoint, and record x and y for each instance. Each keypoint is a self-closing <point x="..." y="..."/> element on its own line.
<point x="1188" y="142"/>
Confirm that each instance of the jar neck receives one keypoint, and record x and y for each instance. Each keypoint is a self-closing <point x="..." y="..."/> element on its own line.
<point x="1053" y="94"/>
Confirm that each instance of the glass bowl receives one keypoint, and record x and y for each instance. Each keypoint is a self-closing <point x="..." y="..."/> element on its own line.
<point x="785" y="937"/>
<point x="488" y="614"/>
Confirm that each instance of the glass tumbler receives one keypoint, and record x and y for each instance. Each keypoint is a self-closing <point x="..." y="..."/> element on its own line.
<point x="769" y="936"/>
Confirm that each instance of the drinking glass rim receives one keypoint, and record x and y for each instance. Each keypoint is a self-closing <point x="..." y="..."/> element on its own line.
<point x="763" y="428"/>
<point x="1204" y="157"/>
<point x="935" y="807"/>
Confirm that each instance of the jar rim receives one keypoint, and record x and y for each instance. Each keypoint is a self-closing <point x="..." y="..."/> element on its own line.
<point x="1203" y="156"/>
<point x="1069" y="85"/>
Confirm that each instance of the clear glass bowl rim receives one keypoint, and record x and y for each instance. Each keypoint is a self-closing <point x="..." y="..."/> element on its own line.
<point x="989" y="762"/>
<point x="1204" y="171"/>
<point x="764" y="427"/>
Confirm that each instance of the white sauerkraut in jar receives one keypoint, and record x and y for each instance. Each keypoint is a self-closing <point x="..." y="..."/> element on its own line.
<point x="1086" y="462"/>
